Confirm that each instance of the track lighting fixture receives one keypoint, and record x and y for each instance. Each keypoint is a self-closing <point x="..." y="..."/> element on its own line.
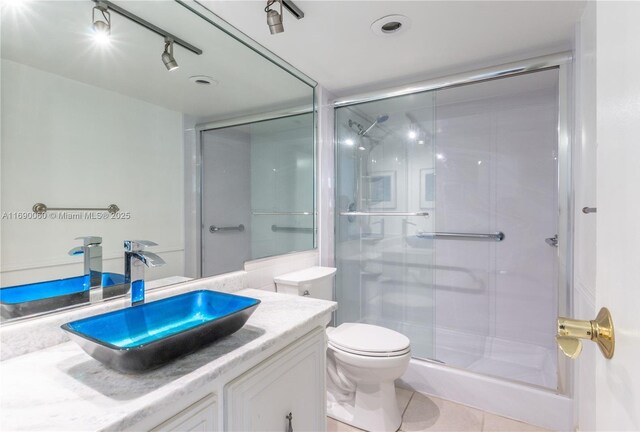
<point x="102" y="30"/>
<point x="167" y="56"/>
<point x="101" y="25"/>
<point x="274" y="19"/>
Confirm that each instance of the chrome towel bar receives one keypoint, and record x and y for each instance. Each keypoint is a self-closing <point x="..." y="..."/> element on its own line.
<point x="355" y="213"/>
<point x="499" y="236"/>
<point x="282" y="213"/>
<point x="587" y="210"/>
<point x="40" y="208"/>
<point x="214" y="229"/>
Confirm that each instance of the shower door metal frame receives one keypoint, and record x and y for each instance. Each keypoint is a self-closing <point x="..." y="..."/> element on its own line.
<point x="561" y="61"/>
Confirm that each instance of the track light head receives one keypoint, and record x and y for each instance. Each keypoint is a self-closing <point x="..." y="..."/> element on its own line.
<point x="167" y="56"/>
<point x="274" y="19"/>
<point x="102" y="24"/>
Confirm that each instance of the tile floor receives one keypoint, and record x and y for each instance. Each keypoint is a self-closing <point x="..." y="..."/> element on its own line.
<point x="428" y="413"/>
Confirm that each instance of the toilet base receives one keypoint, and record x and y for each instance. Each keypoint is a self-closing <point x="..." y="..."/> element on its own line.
<point x="374" y="408"/>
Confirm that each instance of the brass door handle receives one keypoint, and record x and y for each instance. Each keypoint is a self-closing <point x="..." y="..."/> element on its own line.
<point x="599" y="330"/>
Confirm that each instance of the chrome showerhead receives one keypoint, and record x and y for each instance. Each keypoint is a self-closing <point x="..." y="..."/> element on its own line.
<point x="380" y="119"/>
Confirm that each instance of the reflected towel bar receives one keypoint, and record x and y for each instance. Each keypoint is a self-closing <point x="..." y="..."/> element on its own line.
<point x="282" y="213"/>
<point x="40" y="208"/>
<point x="276" y="228"/>
<point x="499" y="236"/>
<point x="214" y="229"/>
<point x="355" y="213"/>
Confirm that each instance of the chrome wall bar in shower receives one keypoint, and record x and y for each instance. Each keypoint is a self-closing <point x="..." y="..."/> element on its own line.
<point x="276" y="228"/>
<point x="499" y="236"/>
<point x="355" y="213"/>
<point x="214" y="229"/>
<point x="282" y="213"/>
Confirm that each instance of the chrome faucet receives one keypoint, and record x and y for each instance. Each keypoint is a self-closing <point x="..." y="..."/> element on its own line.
<point x="92" y="251"/>
<point x="135" y="258"/>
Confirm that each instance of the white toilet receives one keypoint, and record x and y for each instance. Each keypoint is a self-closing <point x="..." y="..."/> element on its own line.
<point x="363" y="360"/>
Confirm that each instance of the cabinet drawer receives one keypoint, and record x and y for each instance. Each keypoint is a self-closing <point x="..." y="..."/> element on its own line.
<point x="199" y="417"/>
<point x="292" y="381"/>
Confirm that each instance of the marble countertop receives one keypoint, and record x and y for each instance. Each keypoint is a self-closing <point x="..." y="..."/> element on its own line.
<point x="62" y="388"/>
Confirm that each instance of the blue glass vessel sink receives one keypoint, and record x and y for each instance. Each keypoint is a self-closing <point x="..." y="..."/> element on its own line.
<point x="147" y="336"/>
<point x="29" y="299"/>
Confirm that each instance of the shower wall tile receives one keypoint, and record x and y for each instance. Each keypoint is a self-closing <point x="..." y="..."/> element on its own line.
<point x="463" y="187"/>
<point x="526" y="210"/>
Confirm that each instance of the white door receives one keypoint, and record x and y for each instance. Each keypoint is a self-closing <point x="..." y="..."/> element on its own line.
<point x="617" y="396"/>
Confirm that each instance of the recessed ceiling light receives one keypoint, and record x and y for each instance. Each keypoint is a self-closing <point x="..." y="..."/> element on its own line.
<point x="203" y="80"/>
<point x="391" y="25"/>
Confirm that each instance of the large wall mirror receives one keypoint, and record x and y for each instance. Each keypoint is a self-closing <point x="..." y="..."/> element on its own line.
<point x="101" y="142"/>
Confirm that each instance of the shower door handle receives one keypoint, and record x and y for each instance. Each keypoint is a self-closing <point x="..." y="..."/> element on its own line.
<point x="552" y="241"/>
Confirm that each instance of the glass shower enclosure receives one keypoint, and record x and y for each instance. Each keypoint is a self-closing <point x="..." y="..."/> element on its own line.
<point x="447" y="223"/>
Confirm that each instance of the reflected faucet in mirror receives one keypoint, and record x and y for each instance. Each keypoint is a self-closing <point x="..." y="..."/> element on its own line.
<point x="92" y="252"/>
<point x="135" y="258"/>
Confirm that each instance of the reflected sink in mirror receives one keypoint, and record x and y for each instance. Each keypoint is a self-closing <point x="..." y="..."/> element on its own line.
<point x="21" y="300"/>
<point x="144" y="337"/>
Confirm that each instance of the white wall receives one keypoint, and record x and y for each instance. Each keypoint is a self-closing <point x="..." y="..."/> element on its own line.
<point x="617" y="391"/>
<point x="325" y="186"/>
<point x="584" y="172"/>
<point x="69" y="144"/>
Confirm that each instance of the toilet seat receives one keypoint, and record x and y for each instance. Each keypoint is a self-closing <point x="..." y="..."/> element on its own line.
<point x="368" y="340"/>
<point x="369" y="353"/>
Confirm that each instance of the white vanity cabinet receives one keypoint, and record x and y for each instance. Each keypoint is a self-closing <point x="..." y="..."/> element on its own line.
<point x="291" y="381"/>
<point x="199" y="417"/>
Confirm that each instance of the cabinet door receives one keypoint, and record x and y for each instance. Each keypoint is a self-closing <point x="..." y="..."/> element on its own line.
<point x="199" y="417"/>
<point x="291" y="381"/>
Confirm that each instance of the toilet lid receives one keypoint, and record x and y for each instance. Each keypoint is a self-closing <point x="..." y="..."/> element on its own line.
<point x="366" y="338"/>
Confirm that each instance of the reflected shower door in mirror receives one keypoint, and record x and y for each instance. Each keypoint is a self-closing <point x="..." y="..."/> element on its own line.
<point x="100" y="133"/>
<point x="257" y="191"/>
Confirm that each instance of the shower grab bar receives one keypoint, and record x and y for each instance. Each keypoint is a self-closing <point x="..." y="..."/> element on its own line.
<point x="214" y="229"/>
<point x="355" y="213"/>
<point x="276" y="228"/>
<point x="40" y="208"/>
<point x="499" y="236"/>
<point x="283" y="213"/>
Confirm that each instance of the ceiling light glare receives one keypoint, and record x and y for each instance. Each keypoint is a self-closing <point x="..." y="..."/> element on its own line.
<point x="349" y="142"/>
<point x="412" y="134"/>
<point x="13" y="5"/>
<point x="101" y="23"/>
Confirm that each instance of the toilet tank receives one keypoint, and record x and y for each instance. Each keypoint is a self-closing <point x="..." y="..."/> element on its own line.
<point x="316" y="282"/>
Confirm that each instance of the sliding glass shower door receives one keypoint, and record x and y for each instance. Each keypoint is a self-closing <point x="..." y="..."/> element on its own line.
<point x="475" y="283"/>
<point x="385" y="196"/>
